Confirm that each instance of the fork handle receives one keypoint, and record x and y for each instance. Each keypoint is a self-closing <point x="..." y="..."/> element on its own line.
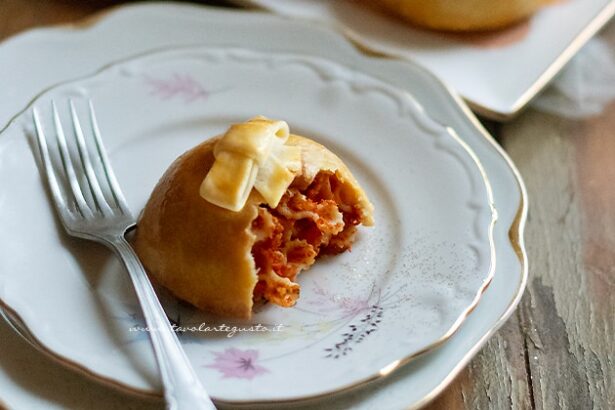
<point x="182" y="388"/>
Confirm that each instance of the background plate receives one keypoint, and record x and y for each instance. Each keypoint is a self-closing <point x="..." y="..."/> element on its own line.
<point x="491" y="70"/>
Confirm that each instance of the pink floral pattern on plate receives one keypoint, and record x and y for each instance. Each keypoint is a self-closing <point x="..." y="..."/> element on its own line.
<point x="238" y="364"/>
<point x="178" y="85"/>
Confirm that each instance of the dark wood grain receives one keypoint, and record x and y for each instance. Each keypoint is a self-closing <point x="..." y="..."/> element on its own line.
<point x="496" y="378"/>
<point x="19" y="15"/>
<point x="567" y="317"/>
<point x="557" y="351"/>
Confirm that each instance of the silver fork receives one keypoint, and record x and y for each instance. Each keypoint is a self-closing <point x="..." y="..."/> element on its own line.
<point x="86" y="213"/>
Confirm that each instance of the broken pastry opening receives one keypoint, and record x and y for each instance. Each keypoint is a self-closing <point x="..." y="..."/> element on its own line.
<point x="312" y="219"/>
<point x="235" y="219"/>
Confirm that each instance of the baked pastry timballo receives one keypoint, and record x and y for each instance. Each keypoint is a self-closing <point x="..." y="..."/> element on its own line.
<point x="462" y="15"/>
<point x="235" y="219"/>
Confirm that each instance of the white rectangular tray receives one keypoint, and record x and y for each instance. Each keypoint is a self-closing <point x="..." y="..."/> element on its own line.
<point x="497" y="73"/>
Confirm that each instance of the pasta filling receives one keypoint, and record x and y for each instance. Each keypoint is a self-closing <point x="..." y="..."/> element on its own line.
<point x="311" y="219"/>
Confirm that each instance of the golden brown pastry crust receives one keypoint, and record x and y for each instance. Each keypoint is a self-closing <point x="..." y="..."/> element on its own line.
<point x="201" y="252"/>
<point x="462" y="15"/>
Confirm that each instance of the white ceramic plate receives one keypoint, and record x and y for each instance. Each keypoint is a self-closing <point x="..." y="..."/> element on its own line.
<point x="29" y="63"/>
<point x="498" y="73"/>
<point x="412" y="279"/>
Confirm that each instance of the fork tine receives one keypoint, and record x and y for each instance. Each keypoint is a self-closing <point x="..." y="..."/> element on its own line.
<point x="84" y="154"/>
<point x="68" y="165"/>
<point x="102" y="153"/>
<point x="54" y="187"/>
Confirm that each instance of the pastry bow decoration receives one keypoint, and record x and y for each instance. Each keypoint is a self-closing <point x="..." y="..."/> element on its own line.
<point x="250" y="155"/>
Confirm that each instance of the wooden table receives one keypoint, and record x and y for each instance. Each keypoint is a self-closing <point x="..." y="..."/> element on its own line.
<point x="558" y="349"/>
